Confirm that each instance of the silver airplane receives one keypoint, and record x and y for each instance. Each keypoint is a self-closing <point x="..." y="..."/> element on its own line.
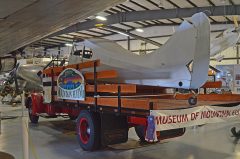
<point x="182" y="62"/>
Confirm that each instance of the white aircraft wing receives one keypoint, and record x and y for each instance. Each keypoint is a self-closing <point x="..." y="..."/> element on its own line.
<point x="229" y="38"/>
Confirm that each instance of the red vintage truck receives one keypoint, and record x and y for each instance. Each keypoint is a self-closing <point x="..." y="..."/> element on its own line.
<point x="104" y="111"/>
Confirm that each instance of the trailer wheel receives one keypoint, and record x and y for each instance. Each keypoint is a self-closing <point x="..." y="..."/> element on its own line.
<point x="140" y="131"/>
<point x="88" y="130"/>
<point x="33" y="118"/>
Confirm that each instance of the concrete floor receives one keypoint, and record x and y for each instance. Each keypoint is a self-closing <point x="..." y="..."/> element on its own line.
<point x="55" y="139"/>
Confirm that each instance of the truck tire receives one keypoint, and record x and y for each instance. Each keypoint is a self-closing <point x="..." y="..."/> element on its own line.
<point x="88" y="130"/>
<point x="140" y="131"/>
<point x="33" y="118"/>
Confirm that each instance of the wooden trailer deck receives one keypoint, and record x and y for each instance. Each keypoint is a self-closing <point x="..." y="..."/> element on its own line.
<point x="124" y="97"/>
<point x="160" y="104"/>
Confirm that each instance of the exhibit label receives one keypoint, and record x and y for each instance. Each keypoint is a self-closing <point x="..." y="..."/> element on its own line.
<point x="173" y="119"/>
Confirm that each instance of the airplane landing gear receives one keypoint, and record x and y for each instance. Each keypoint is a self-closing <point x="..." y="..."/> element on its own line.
<point x="235" y="133"/>
<point x="193" y="100"/>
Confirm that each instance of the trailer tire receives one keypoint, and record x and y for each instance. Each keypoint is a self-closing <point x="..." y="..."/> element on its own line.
<point x="88" y="130"/>
<point x="33" y="118"/>
<point x="140" y="131"/>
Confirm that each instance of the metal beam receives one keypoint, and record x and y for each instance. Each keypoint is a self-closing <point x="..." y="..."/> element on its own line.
<point x="164" y="36"/>
<point x="134" y="35"/>
<point x="128" y="43"/>
<point x="139" y="5"/>
<point x="155" y="4"/>
<point x="237" y="54"/>
<point x="158" y="14"/>
<point x="227" y="58"/>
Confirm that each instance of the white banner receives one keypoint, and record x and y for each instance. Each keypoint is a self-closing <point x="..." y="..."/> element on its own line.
<point x="172" y="119"/>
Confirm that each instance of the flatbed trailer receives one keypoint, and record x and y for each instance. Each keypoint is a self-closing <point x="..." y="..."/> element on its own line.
<point x="104" y="111"/>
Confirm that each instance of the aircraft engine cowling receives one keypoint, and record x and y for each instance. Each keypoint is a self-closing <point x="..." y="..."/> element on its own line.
<point x="7" y="63"/>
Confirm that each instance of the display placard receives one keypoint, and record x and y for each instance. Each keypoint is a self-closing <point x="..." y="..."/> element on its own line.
<point x="71" y="85"/>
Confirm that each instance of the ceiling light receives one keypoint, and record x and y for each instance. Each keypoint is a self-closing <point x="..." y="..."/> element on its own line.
<point x="101" y="18"/>
<point x="160" y="4"/>
<point x="139" y="30"/>
<point x="122" y="33"/>
<point x="68" y="44"/>
<point x="99" y="25"/>
<point x="223" y="1"/>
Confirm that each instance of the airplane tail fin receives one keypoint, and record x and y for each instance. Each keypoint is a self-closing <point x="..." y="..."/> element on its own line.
<point x="187" y="53"/>
<point x="201" y="57"/>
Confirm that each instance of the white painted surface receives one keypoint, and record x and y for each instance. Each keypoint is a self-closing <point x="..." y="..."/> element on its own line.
<point x="165" y="66"/>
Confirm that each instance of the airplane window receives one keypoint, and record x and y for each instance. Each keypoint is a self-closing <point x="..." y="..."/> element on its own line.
<point x="87" y="54"/>
<point x="77" y="52"/>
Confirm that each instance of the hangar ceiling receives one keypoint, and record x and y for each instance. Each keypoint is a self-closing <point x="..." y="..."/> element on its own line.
<point x="12" y="6"/>
<point x="132" y="14"/>
<point x="25" y="21"/>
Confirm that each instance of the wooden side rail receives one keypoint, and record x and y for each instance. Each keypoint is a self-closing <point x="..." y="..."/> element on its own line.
<point x="101" y="74"/>
<point x="59" y="69"/>
<point x="211" y="97"/>
<point x="217" y="84"/>
<point x="112" y="88"/>
<point x="109" y="88"/>
<point x="142" y="104"/>
<point x="87" y="76"/>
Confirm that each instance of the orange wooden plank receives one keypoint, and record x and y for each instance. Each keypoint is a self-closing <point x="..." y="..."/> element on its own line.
<point x="101" y="74"/>
<point x="112" y="88"/>
<point x="83" y="65"/>
<point x="59" y="69"/>
<point x="135" y="103"/>
<point x="125" y="103"/>
<point x="211" y="97"/>
<point x="47" y="71"/>
<point x="150" y="89"/>
<point x="217" y="84"/>
<point x="88" y="100"/>
<point x="113" y="102"/>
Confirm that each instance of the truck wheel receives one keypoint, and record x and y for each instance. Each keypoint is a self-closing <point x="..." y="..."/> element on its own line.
<point x="140" y="131"/>
<point x="88" y="130"/>
<point x="33" y="118"/>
